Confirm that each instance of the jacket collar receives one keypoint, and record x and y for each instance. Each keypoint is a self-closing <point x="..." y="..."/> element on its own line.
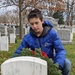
<point x="44" y="33"/>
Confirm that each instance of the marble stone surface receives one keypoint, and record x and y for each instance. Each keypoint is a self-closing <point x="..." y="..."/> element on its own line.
<point x="24" y="65"/>
<point x="12" y="38"/>
<point x="65" y="34"/>
<point x="0" y="40"/>
<point x="11" y="30"/>
<point x="73" y="30"/>
<point x="4" y="43"/>
<point x="2" y="30"/>
<point x="0" y="34"/>
<point x="6" y="33"/>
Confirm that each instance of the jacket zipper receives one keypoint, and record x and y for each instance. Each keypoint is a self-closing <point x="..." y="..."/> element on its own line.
<point x="39" y="43"/>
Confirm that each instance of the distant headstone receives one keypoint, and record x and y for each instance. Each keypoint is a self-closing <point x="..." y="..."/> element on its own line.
<point x="11" y="30"/>
<point x="0" y="34"/>
<point x="0" y="43"/>
<point x="26" y="31"/>
<point x="24" y="66"/>
<point x="28" y="28"/>
<point x="67" y="27"/>
<point x="71" y="36"/>
<point x="0" y="40"/>
<point x="12" y="38"/>
<point x="6" y="33"/>
<point x="4" y="43"/>
<point x="14" y="29"/>
<point x="65" y="35"/>
<point x="17" y="31"/>
<point x="73" y="30"/>
<point x="2" y="30"/>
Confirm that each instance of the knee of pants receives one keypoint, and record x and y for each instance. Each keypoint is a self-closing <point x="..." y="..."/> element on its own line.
<point x="67" y="64"/>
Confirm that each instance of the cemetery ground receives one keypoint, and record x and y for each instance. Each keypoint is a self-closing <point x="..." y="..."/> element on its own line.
<point x="70" y="48"/>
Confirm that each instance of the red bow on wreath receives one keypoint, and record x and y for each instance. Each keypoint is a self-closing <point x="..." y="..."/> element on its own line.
<point x="44" y="54"/>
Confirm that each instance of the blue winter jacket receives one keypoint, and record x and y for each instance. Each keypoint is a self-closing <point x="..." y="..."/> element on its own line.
<point x="48" y="41"/>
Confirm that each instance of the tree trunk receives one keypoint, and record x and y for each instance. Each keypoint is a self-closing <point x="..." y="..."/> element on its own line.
<point x="71" y="22"/>
<point x="68" y="13"/>
<point x="68" y="21"/>
<point x="20" y="21"/>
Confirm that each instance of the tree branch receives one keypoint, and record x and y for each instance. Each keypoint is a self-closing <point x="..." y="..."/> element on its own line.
<point x="14" y="2"/>
<point x="6" y="6"/>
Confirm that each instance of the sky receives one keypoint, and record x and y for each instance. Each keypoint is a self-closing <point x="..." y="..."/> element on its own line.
<point x="5" y="9"/>
<point x="9" y="8"/>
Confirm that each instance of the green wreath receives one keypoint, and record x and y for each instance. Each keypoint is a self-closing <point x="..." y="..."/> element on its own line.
<point x="52" y="68"/>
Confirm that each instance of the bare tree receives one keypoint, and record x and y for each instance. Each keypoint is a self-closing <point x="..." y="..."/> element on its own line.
<point x="3" y="19"/>
<point x="22" y="5"/>
<point x="27" y="5"/>
<point x="70" y="6"/>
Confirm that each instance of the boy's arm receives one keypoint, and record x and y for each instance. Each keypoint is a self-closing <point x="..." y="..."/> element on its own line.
<point x="59" y="49"/>
<point x="19" y="49"/>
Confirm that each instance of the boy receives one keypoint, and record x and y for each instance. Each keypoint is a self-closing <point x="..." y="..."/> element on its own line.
<point x="43" y="36"/>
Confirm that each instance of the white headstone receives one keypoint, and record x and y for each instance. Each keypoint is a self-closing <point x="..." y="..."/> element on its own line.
<point x="73" y="30"/>
<point x="0" y="34"/>
<point x="67" y="27"/>
<point x="6" y="33"/>
<point x="71" y="36"/>
<point x="0" y="43"/>
<point x="4" y="43"/>
<point x="2" y="30"/>
<point x="11" y="30"/>
<point x="14" y="29"/>
<point x="12" y="38"/>
<point x="26" y="31"/>
<point x="24" y="66"/>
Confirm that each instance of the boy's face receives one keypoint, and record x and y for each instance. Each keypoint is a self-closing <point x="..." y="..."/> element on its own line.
<point x="36" y="24"/>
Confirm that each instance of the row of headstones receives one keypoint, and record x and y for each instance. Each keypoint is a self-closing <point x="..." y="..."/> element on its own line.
<point x="4" y="42"/>
<point x="5" y="30"/>
<point x="68" y="27"/>
<point x="24" y="66"/>
<point x="66" y="34"/>
<point x="63" y="33"/>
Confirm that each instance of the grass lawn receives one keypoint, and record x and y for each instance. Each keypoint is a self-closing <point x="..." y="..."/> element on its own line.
<point x="12" y="47"/>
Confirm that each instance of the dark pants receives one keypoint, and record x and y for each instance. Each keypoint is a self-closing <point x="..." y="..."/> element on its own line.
<point x="67" y="67"/>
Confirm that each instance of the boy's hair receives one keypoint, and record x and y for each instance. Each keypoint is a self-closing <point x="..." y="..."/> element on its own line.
<point x="36" y="13"/>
